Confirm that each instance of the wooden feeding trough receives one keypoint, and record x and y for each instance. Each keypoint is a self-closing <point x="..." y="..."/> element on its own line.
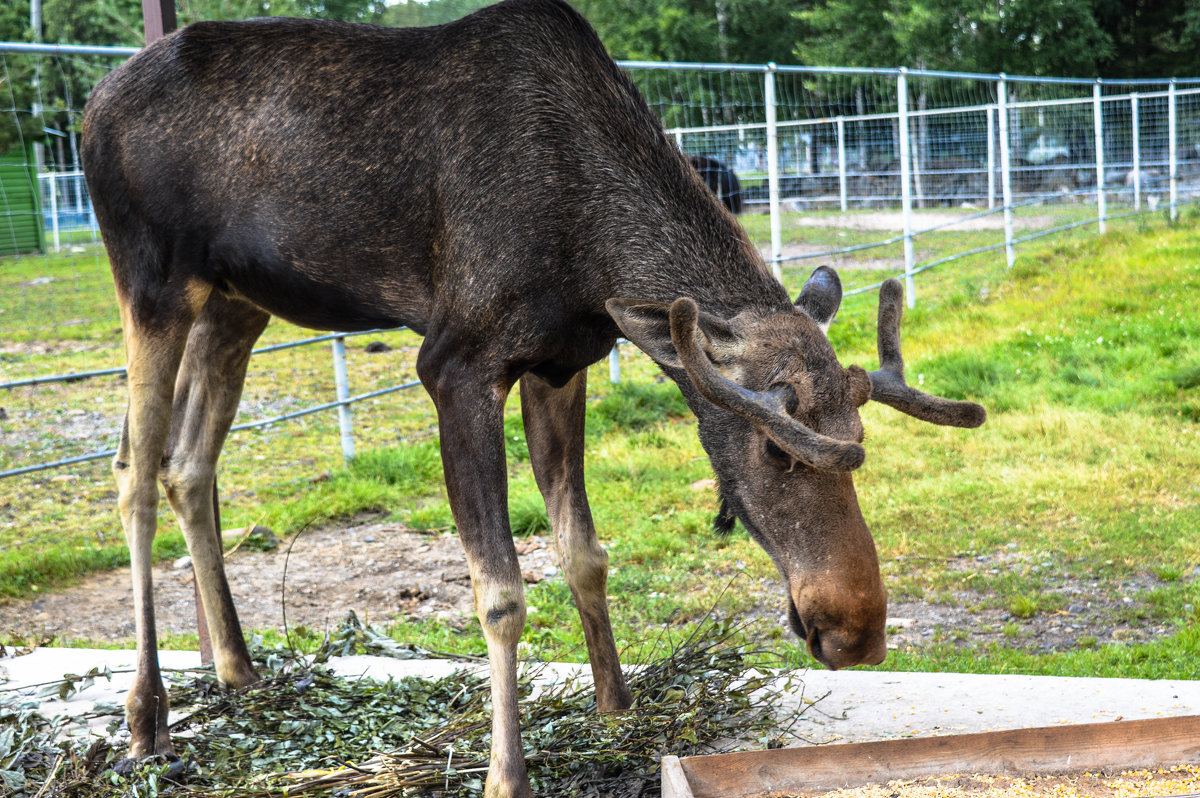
<point x="1113" y="746"/>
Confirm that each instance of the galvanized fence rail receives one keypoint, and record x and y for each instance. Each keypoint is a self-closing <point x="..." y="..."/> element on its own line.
<point x="950" y="152"/>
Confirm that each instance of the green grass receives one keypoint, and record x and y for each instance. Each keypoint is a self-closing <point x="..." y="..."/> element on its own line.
<point x="1086" y="354"/>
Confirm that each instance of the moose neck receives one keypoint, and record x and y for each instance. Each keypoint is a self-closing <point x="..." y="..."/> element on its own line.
<point x="692" y="248"/>
<point x="648" y="225"/>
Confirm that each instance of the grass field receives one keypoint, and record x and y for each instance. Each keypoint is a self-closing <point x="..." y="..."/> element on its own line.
<point x="1087" y="474"/>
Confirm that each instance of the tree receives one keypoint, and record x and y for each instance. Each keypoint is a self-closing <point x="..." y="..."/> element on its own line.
<point x="1152" y="38"/>
<point x="419" y="13"/>
<point x="1059" y="37"/>
<point x="16" y="80"/>
<point x="348" y="10"/>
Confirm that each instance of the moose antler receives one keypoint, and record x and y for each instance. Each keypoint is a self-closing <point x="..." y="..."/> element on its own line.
<point x="766" y="409"/>
<point x="888" y="385"/>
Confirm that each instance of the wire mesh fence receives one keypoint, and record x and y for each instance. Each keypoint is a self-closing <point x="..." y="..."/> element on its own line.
<point x="880" y="172"/>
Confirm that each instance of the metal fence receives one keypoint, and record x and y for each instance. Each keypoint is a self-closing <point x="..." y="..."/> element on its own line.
<point x="879" y="171"/>
<point x="1024" y="156"/>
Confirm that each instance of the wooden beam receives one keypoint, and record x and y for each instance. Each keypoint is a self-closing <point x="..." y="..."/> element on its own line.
<point x="158" y="18"/>
<point x="674" y="781"/>
<point x="1121" y="745"/>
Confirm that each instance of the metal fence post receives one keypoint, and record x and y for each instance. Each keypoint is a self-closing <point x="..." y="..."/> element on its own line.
<point x="342" y="383"/>
<point x="991" y="158"/>
<point x="1005" y="167"/>
<point x="614" y="364"/>
<point x="1098" y="126"/>
<point x="905" y="182"/>
<point x="841" y="147"/>
<point x="773" y="171"/>
<point x="1173" y="165"/>
<point x="53" y="181"/>
<point x="1135" y="142"/>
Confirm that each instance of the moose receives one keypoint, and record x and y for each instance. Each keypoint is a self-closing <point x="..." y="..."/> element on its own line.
<point x="499" y="186"/>
<point x="721" y="180"/>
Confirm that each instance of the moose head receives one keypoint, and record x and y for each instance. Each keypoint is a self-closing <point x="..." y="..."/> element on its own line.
<point x="778" y="416"/>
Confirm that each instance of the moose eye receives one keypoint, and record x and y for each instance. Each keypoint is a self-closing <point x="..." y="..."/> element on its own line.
<point x="776" y="455"/>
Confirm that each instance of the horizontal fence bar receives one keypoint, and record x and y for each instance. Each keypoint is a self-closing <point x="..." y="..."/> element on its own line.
<point x="308" y="411"/>
<point x="65" y="49"/>
<point x="73" y="377"/>
<point x="82" y="375"/>
<point x="362" y="397"/>
<point x="83" y="458"/>
<point x="696" y="66"/>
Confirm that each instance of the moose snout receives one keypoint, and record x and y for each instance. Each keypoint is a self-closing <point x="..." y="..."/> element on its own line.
<point x="840" y="639"/>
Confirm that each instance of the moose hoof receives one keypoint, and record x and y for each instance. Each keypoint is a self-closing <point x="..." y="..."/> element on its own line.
<point x="176" y="769"/>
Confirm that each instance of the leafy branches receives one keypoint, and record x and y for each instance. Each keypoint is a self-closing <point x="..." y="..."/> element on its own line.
<point x="687" y="702"/>
<point x="308" y="731"/>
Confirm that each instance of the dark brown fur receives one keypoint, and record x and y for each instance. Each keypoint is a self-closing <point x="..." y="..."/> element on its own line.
<point x="499" y="186"/>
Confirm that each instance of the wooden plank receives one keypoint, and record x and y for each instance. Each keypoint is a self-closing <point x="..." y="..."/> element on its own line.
<point x="158" y="18"/>
<point x="1119" y="745"/>
<point x="674" y="783"/>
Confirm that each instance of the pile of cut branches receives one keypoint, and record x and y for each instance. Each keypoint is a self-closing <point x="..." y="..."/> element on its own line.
<point x="305" y="730"/>
<point x="695" y="699"/>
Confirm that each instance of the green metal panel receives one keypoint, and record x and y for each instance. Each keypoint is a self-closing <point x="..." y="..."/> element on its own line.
<point x="21" y="228"/>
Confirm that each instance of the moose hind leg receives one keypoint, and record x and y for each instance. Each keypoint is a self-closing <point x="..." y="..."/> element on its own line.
<point x="554" y="430"/>
<point x="207" y="393"/>
<point x="155" y="329"/>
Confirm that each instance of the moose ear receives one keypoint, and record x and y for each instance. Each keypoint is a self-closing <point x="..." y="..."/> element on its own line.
<point x="648" y="326"/>
<point x="821" y="297"/>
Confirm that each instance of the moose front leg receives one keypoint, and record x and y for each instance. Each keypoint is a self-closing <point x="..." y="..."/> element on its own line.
<point x="554" y="429"/>
<point x="471" y="425"/>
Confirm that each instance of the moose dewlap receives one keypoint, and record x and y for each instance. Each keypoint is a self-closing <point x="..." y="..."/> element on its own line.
<point x="499" y="186"/>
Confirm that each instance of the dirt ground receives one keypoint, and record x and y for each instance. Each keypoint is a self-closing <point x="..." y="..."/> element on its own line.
<point x="376" y="569"/>
<point x="382" y="570"/>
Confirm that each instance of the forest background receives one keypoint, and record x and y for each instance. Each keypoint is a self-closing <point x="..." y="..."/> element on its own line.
<point x="1079" y="38"/>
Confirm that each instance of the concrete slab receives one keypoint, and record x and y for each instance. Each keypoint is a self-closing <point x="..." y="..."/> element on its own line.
<point x="850" y="706"/>
<point x="858" y="706"/>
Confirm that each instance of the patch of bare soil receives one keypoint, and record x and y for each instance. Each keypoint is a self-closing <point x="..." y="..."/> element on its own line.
<point x="383" y="571"/>
<point x="379" y="570"/>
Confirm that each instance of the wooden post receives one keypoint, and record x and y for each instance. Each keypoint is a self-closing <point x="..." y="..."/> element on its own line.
<point x="158" y="18"/>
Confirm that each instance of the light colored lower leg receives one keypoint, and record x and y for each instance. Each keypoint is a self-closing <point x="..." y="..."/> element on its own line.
<point x="585" y="566"/>
<point x="190" y="494"/>
<point x="500" y="605"/>
<point x="146" y="705"/>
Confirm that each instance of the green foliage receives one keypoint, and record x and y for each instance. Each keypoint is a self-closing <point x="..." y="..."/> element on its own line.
<point x="1024" y="606"/>
<point x="413" y="469"/>
<point x="418" y="13"/>
<point x="349" y="10"/>
<point x="407" y="736"/>
<point x="634" y="406"/>
<point x="29" y="744"/>
<point x="738" y="31"/>
<point x="1126" y="38"/>
<point x="527" y="514"/>
<point x="515" y="447"/>
<point x="94" y="22"/>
